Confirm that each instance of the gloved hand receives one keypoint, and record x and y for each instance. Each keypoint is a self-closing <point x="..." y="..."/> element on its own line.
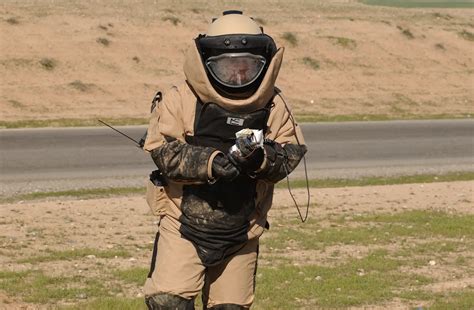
<point x="223" y="169"/>
<point x="249" y="156"/>
<point x="280" y="160"/>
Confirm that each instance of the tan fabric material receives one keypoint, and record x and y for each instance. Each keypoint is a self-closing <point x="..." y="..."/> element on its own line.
<point x="233" y="24"/>
<point x="179" y="271"/>
<point x="157" y="199"/>
<point x="197" y="78"/>
<point x="173" y="117"/>
<point x="233" y="281"/>
<point x="154" y="138"/>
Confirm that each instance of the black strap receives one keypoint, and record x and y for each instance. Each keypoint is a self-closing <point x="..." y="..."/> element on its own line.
<point x="153" y="257"/>
<point x="255" y="269"/>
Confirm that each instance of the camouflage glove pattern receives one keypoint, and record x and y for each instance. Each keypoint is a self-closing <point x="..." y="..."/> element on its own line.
<point x="223" y="169"/>
<point x="280" y="160"/>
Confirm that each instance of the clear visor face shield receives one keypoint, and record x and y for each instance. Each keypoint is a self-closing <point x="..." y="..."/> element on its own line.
<point x="236" y="69"/>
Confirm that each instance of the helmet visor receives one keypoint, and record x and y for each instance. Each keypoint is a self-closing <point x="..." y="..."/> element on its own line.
<point x="236" y="69"/>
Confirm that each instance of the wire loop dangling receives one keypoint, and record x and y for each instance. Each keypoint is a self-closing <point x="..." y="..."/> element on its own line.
<point x="303" y="219"/>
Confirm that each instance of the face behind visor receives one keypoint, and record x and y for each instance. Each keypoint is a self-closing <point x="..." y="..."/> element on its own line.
<point x="235" y="70"/>
<point x="235" y="54"/>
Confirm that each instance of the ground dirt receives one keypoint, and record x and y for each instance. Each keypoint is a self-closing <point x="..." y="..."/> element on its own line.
<point x="69" y="59"/>
<point x="36" y="228"/>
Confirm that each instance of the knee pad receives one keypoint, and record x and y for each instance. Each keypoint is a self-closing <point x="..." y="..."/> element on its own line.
<point x="227" y="307"/>
<point x="165" y="301"/>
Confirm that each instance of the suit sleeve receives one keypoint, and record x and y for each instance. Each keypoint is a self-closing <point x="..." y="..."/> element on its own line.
<point x="176" y="160"/>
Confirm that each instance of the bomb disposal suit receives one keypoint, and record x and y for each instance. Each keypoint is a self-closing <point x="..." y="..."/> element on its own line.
<point x="213" y="201"/>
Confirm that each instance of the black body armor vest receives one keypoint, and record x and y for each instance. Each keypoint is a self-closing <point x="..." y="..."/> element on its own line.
<point x="215" y="216"/>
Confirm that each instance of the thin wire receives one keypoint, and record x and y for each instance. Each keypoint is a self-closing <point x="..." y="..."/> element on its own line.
<point x="138" y="144"/>
<point x="303" y="219"/>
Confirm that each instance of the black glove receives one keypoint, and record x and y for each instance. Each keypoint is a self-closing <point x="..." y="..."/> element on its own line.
<point x="281" y="160"/>
<point x="250" y="156"/>
<point x="223" y="169"/>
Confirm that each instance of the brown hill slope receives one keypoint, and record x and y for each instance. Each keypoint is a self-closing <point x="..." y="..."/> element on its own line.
<point x="61" y="59"/>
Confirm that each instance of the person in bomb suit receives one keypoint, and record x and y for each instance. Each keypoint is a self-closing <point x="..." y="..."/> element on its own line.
<point x="213" y="203"/>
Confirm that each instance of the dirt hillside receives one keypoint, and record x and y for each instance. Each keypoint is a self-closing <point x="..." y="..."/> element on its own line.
<point x="69" y="59"/>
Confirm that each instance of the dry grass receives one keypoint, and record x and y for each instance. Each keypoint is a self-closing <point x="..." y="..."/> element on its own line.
<point x="467" y="35"/>
<point x="48" y="63"/>
<point x="291" y="38"/>
<point x="12" y="21"/>
<point x="173" y="19"/>
<point x="103" y="41"/>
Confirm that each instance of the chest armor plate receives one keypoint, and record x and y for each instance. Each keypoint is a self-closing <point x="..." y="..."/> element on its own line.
<point x="214" y="126"/>
<point x="215" y="216"/>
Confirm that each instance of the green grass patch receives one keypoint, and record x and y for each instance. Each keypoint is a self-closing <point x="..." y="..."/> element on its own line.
<point x="292" y="287"/>
<point x="48" y="63"/>
<point x="458" y="300"/>
<point x="438" y="15"/>
<point x="173" y="19"/>
<point x="12" y="21"/>
<point x="16" y="104"/>
<point x="36" y="287"/>
<point x="422" y="3"/>
<point x="314" y="117"/>
<point x="108" y="303"/>
<point x="312" y="63"/>
<point x="426" y="223"/>
<point x="416" y="295"/>
<point x="103" y="41"/>
<point x="434" y="248"/>
<point x="72" y="122"/>
<point x="467" y="35"/>
<point x="298" y="183"/>
<point x="80" y="193"/>
<point x="81" y="86"/>
<point x="344" y="42"/>
<point x="378" y="229"/>
<point x="406" y="32"/>
<point x="291" y="38"/>
<point x="371" y="280"/>
<point x="371" y="181"/>
<point x="75" y="254"/>
<point x="135" y="275"/>
<point x="313" y="237"/>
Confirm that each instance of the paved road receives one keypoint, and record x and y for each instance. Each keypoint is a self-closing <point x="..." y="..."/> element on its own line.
<point x="68" y="158"/>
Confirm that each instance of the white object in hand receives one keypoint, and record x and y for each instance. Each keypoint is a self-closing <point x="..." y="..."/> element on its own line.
<point x="255" y="135"/>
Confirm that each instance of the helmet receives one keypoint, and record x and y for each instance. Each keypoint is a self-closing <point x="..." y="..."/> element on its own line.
<point x="235" y="54"/>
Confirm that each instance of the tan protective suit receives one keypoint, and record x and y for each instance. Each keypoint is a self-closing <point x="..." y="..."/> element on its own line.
<point x="177" y="269"/>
